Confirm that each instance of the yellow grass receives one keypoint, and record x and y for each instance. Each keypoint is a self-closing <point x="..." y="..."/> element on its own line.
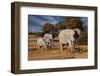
<point x="35" y="53"/>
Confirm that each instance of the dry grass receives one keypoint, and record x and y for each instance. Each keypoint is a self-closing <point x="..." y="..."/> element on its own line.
<point x="34" y="53"/>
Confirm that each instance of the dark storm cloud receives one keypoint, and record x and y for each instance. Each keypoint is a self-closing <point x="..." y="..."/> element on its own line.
<point x="35" y="22"/>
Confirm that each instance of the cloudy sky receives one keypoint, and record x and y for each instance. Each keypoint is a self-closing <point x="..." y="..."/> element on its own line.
<point x="35" y="22"/>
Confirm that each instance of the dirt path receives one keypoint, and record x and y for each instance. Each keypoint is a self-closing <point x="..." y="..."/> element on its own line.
<point x="38" y="54"/>
<point x="55" y="54"/>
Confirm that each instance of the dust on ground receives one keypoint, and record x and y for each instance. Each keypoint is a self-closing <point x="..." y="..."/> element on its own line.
<point x="35" y="53"/>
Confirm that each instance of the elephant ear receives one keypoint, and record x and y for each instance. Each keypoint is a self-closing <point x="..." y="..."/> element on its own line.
<point x="76" y="33"/>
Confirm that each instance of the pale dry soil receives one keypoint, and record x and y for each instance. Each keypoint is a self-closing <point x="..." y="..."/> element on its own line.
<point x="41" y="54"/>
<point x="35" y="53"/>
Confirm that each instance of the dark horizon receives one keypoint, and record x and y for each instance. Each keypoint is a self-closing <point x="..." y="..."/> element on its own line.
<point x="36" y="22"/>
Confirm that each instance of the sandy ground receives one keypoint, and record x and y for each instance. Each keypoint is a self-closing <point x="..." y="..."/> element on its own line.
<point x="55" y="54"/>
<point x="35" y="53"/>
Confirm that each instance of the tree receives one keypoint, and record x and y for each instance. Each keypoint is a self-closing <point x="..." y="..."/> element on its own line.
<point x="60" y="26"/>
<point x="48" y="28"/>
<point x="73" y="22"/>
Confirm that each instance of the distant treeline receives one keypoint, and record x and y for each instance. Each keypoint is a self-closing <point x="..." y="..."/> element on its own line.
<point x="68" y="23"/>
